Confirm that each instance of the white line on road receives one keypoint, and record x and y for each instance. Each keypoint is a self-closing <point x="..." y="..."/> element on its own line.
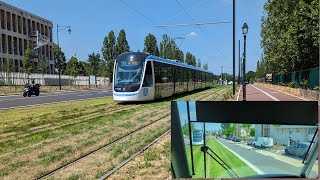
<point x="53" y="95"/>
<point x="266" y="93"/>
<point x="238" y="93"/>
<point x="51" y="103"/>
<point x="255" y="168"/>
<point x="288" y="94"/>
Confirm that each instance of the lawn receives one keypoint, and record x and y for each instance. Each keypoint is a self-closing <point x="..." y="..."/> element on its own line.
<point x="214" y="170"/>
<point x="35" y="140"/>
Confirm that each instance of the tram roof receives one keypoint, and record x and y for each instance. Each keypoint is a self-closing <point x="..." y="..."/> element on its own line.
<point x="145" y="56"/>
<point x="177" y="63"/>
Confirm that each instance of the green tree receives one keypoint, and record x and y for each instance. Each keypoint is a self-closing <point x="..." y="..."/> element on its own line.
<point x="190" y="59"/>
<point x="290" y="35"/>
<point x="83" y="68"/>
<point x="250" y="76"/>
<point x="94" y="63"/>
<point x="252" y="132"/>
<point x="205" y="66"/>
<point x="109" y="52"/>
<point x="103" y="69"/>
<point x="185" y="128"/>
<point x="59" y="54"/>
<point x="72" y="67"/>
<point x="246" y="127"/>
<point x="199" y="62"/>
<point x="180" y="55"/>
<point x="8" y="67"/>
<point x="28" y="60"/>
<point x="225" y="125"/>
<point x="150" y="45"/>
<point x="43" y="65"/>
<point x="122" y="43"/>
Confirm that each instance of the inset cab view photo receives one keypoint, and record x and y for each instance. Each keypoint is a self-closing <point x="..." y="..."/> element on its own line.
<point x="208" y="142"/>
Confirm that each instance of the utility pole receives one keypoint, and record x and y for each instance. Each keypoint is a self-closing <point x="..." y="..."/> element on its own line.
<point x="221" y="74"/>
<point x="239" y="64"/>
<point x="234" y="49"/>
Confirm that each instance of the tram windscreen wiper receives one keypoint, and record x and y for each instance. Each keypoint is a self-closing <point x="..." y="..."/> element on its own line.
<point x="220" y="161"/>
<point x="309" y="148"/>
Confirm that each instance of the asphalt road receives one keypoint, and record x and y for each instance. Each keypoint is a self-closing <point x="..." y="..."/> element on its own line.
<point x="15" y="101"/>
<point x="267" y="164"/>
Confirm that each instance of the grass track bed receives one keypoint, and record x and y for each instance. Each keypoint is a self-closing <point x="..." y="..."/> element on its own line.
<point x="214" y="170"/>
<point x="36" y="140"/>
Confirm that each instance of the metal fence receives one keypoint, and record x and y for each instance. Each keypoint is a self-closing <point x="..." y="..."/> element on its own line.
<point x="309" y="77"/>
<point x="16" y="79"/>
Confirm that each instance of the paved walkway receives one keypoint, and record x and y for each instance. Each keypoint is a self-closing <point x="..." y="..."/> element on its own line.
<point x="259" y="93"/>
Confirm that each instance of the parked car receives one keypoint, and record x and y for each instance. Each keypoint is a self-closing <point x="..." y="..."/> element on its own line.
<point x="299" y="149"/>
<point x="263" y="142"/>
<point x="251" y="140"/>
<point x="236" y="139"/>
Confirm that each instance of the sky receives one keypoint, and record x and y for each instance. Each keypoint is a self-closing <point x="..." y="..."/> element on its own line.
<point x="183" y="115"/>
<point x="91" y="21"/>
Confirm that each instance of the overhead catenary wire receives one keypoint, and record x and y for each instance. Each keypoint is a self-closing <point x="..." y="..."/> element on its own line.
<point x="137" y="11"/>
<point x="193" y="24"/>
<point x="186" y="10"/>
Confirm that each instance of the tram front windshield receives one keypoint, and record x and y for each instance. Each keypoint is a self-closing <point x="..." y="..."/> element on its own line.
<point x="128" y="75"/>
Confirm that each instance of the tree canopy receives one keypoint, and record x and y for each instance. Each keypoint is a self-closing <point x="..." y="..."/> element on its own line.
<point x="290" y="36"/>
<point x="72" y="67"/>
<point x="109" y="52"/>
<point x="59" y="54"/>
<point x="150" y="45"/>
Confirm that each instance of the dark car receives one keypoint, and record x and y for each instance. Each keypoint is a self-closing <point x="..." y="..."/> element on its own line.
<point x="236" y="139"/>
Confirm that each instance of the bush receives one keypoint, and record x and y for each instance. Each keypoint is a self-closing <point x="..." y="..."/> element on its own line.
<point x="304" y="84"/>
<point x="293" y="84"/>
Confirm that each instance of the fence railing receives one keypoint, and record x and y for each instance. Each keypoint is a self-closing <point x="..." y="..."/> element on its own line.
<point x="48" y="79"/>
<point x="309" y="78"/>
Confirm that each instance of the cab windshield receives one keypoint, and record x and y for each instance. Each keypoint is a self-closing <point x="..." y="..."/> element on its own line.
<point x="128" y="75"/>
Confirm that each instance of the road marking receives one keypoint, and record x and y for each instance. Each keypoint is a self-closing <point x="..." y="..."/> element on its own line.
<point x="51" y="103"/>
<point x="266" y="93"/>
<point x="288" y="94"/>
<point x="53" y="95"/>
<point x="238" y="93"/>
<point x="255" y="168"/>
<point x="59" y="92"/>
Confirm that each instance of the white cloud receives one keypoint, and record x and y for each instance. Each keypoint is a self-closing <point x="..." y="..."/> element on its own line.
<point x="192" y="34"/>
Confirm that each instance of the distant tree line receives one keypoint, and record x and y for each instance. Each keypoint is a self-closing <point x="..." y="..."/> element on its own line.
<point x="290" y="36"/>
<point x="101" y="64"/>
<point x="113" y="46"/>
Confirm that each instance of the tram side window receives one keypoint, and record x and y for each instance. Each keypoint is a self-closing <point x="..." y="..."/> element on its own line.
<point x="148" y="81"/>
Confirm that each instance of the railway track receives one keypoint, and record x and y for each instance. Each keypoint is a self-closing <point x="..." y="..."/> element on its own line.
<point x="98" y="149"/>
<point x="109" y="173"/>
<point x="62" y="167"/>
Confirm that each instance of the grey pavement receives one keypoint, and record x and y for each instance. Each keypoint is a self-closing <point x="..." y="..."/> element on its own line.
<point x="267" y="163"/>
<point x="16" y="101"/>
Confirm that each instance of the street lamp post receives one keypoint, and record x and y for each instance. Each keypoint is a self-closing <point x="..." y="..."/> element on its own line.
<point x="58" y="53"/>
<point x="239" y="64"/>
<point x="244" y="31"/>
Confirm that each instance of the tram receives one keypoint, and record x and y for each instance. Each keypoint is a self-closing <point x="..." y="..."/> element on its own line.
<point x="197" y="137"/>
<point x="139" y="76"/>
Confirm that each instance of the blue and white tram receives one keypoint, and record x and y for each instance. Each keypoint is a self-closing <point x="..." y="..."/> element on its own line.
<point x="197" y="137"/>
<point x="142" y="77"/>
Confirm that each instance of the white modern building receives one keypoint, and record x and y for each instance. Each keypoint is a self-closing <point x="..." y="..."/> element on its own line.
<point x="283" y="133"/>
